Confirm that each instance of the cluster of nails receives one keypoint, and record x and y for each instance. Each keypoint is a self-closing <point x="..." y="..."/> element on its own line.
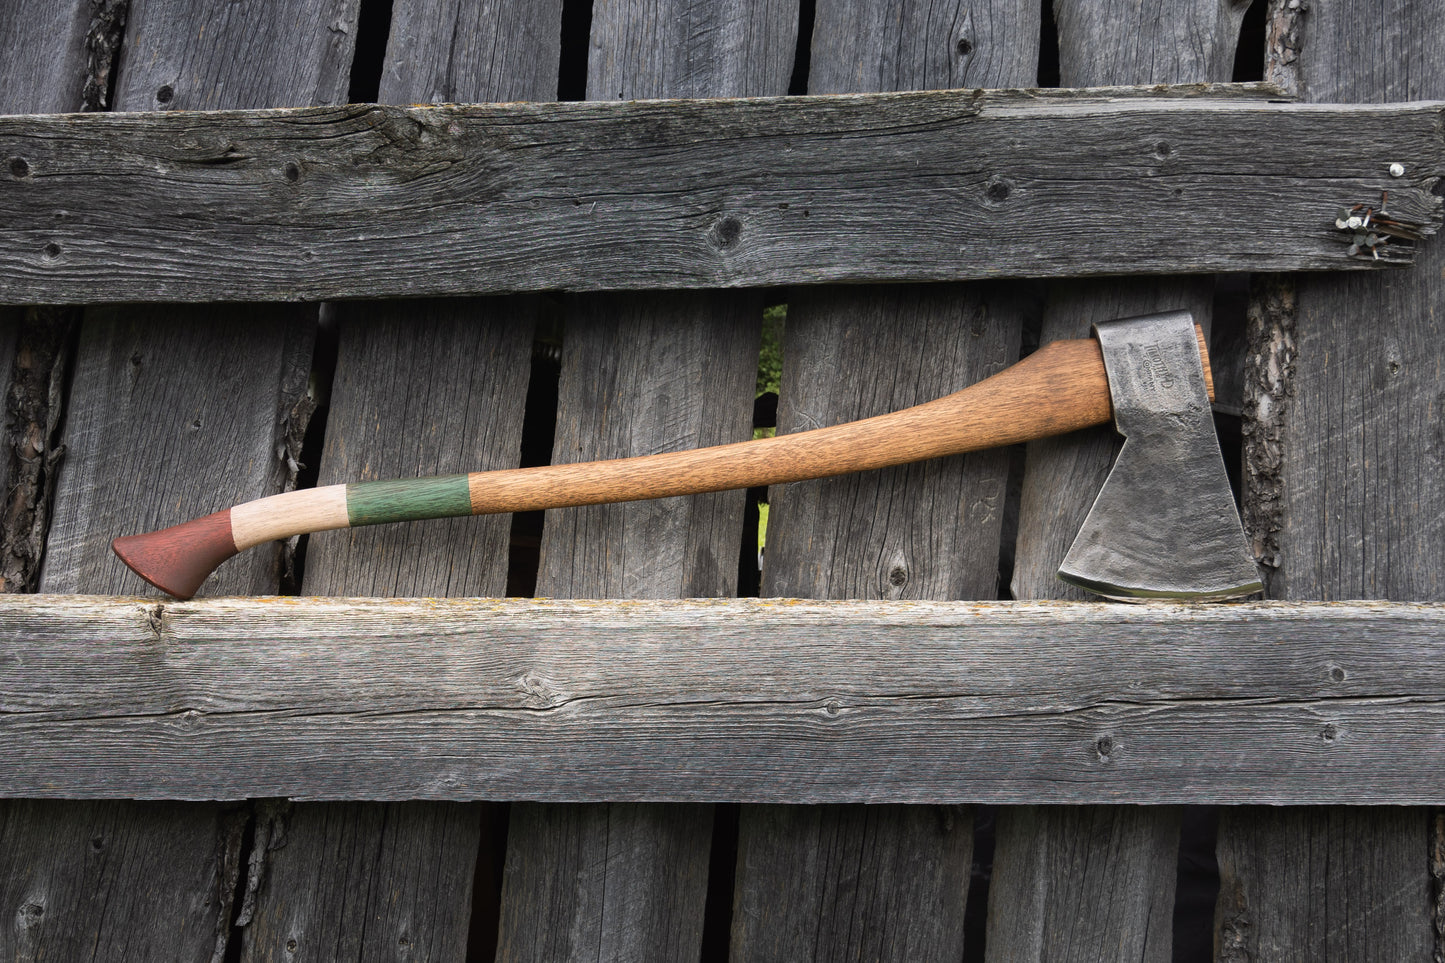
<point x="1364" y="239"/>
<point x="1370" y="229"/>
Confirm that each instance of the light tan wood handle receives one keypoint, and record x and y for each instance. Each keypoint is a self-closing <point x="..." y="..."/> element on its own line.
<point x="1060" y="388"/>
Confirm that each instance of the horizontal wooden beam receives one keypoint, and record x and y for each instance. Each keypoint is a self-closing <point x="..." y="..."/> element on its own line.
<point x="366" y="201"/>
<point x="743" y="700"/>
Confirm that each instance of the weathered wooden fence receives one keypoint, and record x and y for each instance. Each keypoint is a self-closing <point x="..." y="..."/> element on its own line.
<point x="469" y="778"/>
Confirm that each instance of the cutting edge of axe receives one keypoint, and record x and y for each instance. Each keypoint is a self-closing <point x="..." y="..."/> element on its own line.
<point x="1062" y="387"/>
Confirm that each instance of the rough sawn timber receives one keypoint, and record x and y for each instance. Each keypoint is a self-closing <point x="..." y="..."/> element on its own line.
<point x="1346" y="490"/>
<point x="883" y="883"/>
<point x="1075" y="884"/>
<point x="641" y="373"/>
<point x="421" y="386"/>
<point x="157" y="392"/>
<point x="373" y="201"/>
<point x="744" y="700"/>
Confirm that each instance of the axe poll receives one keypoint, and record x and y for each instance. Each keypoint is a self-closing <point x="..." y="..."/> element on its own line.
<point x="1164" y="524"/>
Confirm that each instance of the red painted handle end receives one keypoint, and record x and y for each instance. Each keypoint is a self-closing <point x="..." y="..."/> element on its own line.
<point x="178" y="559"/>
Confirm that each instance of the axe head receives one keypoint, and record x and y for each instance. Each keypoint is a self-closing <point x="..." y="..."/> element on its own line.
<point x="1164" y="524"/>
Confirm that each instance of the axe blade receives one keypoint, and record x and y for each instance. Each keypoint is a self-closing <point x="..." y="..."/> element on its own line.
<point x="1164" y="525"/>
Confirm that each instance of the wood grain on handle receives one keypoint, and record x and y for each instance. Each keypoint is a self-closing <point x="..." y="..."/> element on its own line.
<point x="1060" y="388"/>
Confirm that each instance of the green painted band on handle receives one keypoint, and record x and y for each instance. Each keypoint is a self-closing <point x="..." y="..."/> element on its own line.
<point x="408" y="499"/>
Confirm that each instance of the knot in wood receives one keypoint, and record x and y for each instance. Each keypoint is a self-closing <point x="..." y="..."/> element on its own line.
<point x="998" y="189"/>
<point x="540" y="692"/>
<point x="1104" y="747"/>
<point x="725" y="232"/>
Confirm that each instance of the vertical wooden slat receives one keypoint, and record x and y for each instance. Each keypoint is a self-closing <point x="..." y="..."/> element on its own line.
<point x="60" y="861"/>
<point x="889" y="882"/>
<point x="421" y="388"/>
<point x="1037" y="908"/>
<point x="1346" y="492"/>
<point x="44" y="70"/>
<point x="642" y="374"/>
<point x="172" y="411"/>
<point x="45" y="65"/>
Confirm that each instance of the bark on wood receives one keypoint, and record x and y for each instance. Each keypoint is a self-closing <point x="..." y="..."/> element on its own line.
<point x="640" y="375"/>
<point x="778" y="701"/>
<point x="888" y="883"/>
<point x="1038" y="909"/>
<point x="35" y="348"/>
<point x="645" y="195"/>
<point x="421" y="388"/>
<point x="1351" y="487"/>
<point x="169" y="410"/>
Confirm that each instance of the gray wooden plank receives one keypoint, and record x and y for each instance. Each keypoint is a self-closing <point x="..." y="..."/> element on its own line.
<point x="1082" y="882"/>
<point x="421" y="388"/>
<point x="650" y="194"/>
<point x="45" y="65"/>
<point x="180" y="55"/>
<point x="889" y="883"/>
<point x="64" y="866"/>
<point x="612" y="881"/>
<point x="924" y="531"/>
<point x="1345" y="498"/>
<point x="875" y="882"/>
<point x="353" y="881"/>
<point x="159" y="394"/>
<point x="451" y="51"/>
<point x="45" y="70"/>
<point x="169" y="419"/>
<point x="639" y="375"/>
<point x="85" y="880"/>
<point x="1284" y="893"/>
<point x="775" y="700"/>
<point x="642" y="374"/>
<point x="117" y="880"/>
<point x="1098" y="882"/>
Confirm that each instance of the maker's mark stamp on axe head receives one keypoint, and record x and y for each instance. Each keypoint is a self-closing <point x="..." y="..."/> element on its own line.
<point x="1164" y="524"/>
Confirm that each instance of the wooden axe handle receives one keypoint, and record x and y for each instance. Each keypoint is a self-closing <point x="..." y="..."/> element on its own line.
<point x="1060" y="388"/>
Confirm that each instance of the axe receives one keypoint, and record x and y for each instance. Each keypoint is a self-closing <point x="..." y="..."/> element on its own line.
<point x="1164" y="524"/>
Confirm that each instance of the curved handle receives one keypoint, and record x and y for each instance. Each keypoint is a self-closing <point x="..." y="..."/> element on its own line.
<point x="1059" y="388"/>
